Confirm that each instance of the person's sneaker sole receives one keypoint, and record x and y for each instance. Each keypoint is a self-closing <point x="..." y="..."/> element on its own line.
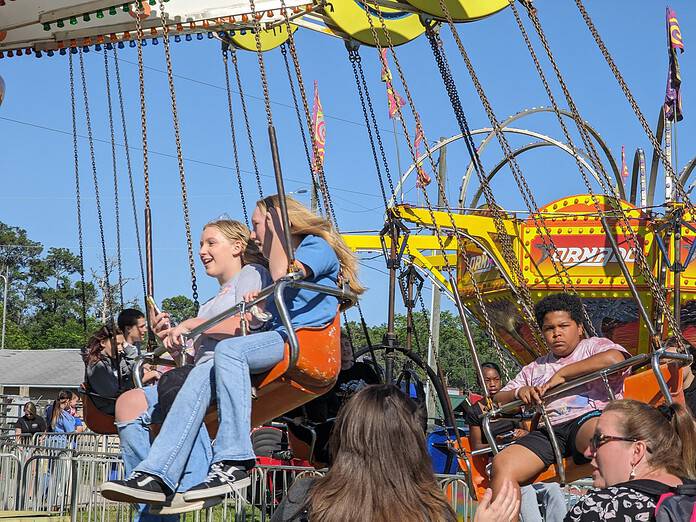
<point x="121" y="493"/>
<point x="178" y="505"/>
<point x="219" y="491"/>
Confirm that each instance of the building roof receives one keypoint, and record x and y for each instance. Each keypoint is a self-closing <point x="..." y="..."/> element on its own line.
<point x="45" y="368"/>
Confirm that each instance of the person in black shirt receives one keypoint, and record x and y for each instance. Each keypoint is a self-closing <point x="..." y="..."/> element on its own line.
<point x="503" y="429"/>
<point x="30" y="422"/>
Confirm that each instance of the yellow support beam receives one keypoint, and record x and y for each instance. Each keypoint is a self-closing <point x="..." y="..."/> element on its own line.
<point x="481" y="228"/>
<point x="417" y="245"/>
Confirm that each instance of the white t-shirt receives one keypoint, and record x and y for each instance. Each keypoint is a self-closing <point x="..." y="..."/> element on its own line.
<point x="250" y="278"/>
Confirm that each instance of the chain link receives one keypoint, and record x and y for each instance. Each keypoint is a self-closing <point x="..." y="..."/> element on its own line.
<point x="247" y="125"/>
<point x="234" y="134"/>
<point x="315" y="184"/>
<point x="77" y="192"/>
<point x="130" y="173"/>
<point x="179" y="157"/>
<point x="107" y="285"/>
<point x="117" y="209"/>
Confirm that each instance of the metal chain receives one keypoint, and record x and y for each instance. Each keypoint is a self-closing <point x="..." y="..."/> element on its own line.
<point x="636" y="108"/>
<point x="95" y="179"/>
<point x="130" y="172"/>
<point x="315" y="185"/>
<point x="179" y="157"/>
<point x="626" y="228"/>
<point x="354" y="58"/>
<point x="252" y="149"/>
<point x="541" y="227"/>
<point x="262" y="65"/>
<point x="323" y="185"/>
<point x="234" y="134"/>
<point x="143" y="107"/>
<point x="77" y="192"/>
<point x="117" y="209"/>
<point x="373" y="118"/>
<point x="448" y="267"/>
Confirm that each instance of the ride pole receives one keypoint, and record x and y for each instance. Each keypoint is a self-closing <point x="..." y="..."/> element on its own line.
<point x="392" y="265"/>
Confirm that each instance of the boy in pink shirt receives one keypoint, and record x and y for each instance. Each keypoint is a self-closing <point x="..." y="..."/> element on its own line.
<point x="574" y="414"/>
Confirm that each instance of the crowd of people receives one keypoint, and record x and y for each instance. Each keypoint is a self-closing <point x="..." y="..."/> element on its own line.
<point x="378" y="463"/>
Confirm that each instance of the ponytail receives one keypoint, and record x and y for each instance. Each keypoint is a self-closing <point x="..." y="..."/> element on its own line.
<point x="683" y="424"/>
<point x="63" y="395"/>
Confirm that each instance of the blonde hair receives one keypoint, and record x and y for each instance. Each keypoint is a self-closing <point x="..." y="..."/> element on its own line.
<point x="304" y="222"/>
<point x="668" y="432"/>
<point x="236" y="231"/>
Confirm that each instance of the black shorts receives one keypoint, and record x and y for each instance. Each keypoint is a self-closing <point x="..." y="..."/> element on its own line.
<point x="538" y="441"/>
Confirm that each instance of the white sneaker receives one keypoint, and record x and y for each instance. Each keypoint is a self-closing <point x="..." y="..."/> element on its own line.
<point x="177" y="504"/>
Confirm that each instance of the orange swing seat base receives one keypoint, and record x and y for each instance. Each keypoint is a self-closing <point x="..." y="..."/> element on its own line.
<point x="95" y="419"/>
<point x="281" y="390"/>
<point x="641" y="386"/>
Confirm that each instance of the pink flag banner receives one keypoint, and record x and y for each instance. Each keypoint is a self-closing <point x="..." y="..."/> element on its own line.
<point x="624" y="166"/>
<point x="394" y="99"/>
<point x="422" y="177"/>
<point x="318" y="130"/>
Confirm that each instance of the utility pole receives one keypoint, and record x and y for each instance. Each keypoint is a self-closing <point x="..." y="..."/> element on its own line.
<point x="434" y="342"/>
<point x="4" y="305"/>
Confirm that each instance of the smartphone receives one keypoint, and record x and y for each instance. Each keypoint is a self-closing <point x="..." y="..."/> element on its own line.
<point x="153" y="304"/>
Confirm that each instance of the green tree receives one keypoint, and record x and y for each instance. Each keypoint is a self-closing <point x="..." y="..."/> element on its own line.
<point x="179" y="307"/>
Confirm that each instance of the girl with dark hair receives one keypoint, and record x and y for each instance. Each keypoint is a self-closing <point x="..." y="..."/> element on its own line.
<point x="638" y="454"/>
<point x="380" y="467"/>
<point x="108" y="370"/>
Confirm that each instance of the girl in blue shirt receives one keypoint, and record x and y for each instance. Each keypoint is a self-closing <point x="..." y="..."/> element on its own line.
<point x="321" y="257"/>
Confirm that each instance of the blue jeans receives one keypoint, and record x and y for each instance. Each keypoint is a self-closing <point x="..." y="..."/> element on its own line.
<point x="134" y="437"/>
<point x="229" y="371"/>
<point x="550" y="496"/>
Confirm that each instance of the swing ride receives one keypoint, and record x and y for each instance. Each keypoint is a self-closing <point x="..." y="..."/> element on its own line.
<point x="630" y="263"/>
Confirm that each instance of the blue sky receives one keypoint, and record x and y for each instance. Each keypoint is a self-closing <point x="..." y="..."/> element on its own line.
<point x="36" y="156"/>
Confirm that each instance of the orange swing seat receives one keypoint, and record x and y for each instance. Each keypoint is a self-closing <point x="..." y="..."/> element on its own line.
<point x="95" y="419"/>
<point x="281" y="389"/>
<point x="641" y="386"/>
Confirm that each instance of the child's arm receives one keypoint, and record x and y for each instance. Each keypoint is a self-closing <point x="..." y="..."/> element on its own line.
<point x="595" y="362"/>
<point x="278" y="252"/>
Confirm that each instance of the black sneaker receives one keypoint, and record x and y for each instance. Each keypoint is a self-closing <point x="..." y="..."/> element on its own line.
<point x="223" y="478"/>
<point x="138" y="488"/>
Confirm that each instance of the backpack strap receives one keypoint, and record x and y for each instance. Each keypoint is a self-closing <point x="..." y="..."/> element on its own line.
<point x="651" y="488"/>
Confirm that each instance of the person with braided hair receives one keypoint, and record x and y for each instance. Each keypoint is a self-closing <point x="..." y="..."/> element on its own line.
<point x="639" y="454"/>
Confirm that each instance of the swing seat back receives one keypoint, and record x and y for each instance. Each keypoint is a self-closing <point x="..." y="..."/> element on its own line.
<point x="280" y="390"/>
<point x="95" y="419"/>
<point x="641" y="386"/>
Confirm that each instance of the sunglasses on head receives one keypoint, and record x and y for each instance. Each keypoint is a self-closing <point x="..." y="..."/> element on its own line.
<point x="598" y="440"/>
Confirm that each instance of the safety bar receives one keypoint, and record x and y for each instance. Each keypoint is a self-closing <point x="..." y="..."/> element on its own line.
<point x="277" y="289"/>
<point x="637" y="361"/>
